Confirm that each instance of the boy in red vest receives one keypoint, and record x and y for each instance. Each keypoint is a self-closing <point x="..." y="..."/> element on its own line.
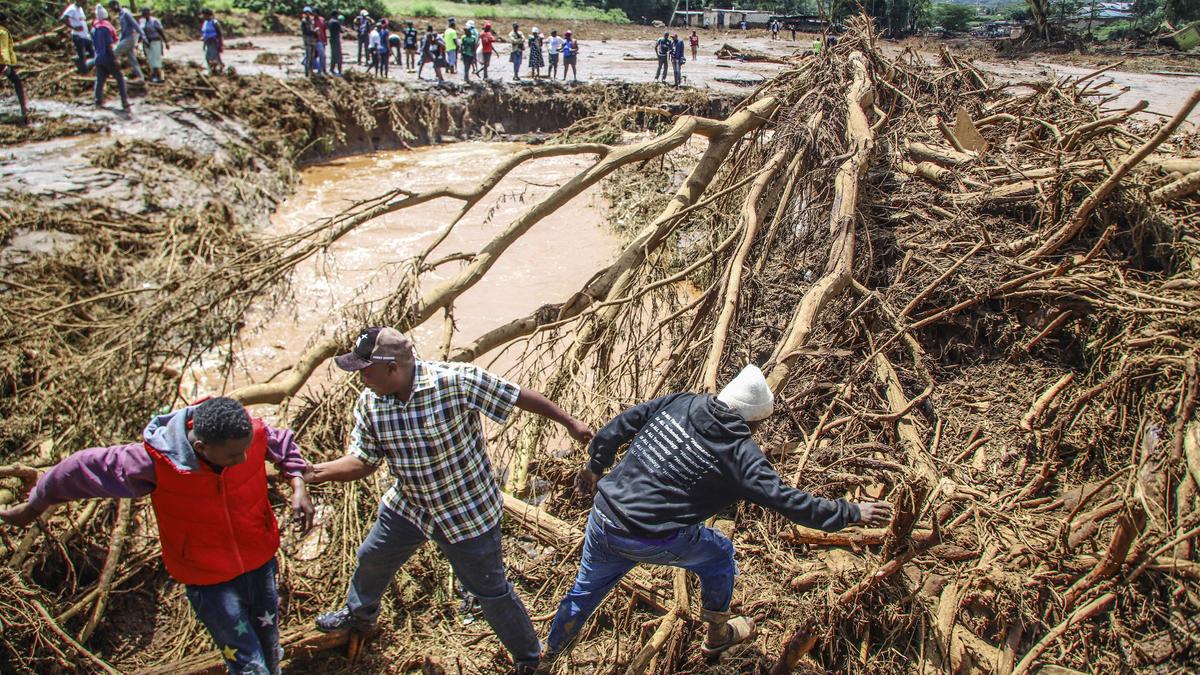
<point x="204" y="470"/>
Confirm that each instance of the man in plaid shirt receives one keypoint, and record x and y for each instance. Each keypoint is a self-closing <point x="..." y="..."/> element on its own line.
<point x="421" y="417"/>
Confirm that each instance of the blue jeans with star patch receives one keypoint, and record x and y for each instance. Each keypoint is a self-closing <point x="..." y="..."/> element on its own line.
<point x="242" y="615"/>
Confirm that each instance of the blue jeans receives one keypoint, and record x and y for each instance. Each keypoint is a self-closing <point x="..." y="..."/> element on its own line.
<point x="319" y="64"/>
<point x="609" y="555"/>
<point x="242" y="615"/>
<point x="516" y="57"/>
<point x="477" y="562"/>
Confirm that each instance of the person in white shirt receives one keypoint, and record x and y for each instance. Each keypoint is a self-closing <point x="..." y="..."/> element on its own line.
<point x="75" y="20"/>
<point x="373" y="48"/>
<point x="554" y="48"/>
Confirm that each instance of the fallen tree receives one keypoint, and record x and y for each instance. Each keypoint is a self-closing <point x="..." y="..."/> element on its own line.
<point x="993" y="324"/>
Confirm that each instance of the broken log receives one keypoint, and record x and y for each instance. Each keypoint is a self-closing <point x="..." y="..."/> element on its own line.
<point x="296" y="643"/>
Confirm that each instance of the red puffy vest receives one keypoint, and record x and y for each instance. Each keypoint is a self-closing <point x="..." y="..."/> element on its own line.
<point x="215" y="526"/>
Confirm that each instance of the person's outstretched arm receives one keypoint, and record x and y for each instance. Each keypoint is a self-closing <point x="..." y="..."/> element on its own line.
<point x="363" y="458"/>
<point x="761" y="484"/>
<point x="532" y="400"/>
<point x="119" y="471"/>
<point x="612" y="437"/>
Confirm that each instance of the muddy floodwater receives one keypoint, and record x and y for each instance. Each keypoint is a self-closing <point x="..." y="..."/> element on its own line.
<point x="554" y="259"/>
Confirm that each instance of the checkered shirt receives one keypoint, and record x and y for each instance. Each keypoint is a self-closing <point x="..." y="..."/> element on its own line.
<point x="435" y="447"/>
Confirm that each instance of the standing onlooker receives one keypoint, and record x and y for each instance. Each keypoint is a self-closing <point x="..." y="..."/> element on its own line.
<point x="362" y="29"/>
<point x="553" y="49"/>
<point x="487" y="45"/>
<point x="156" y="42"/>
<point x="570" y="53"/>
<point x="466" y="49"/>
<point x="131" y="32"/>
<point x="694" y="41"/>
<point x="662" y="49"/>
<point x="432" y="49"/>
<point x="335" y="43"/>
<point x="322" y="41"/>
<point x="774" y="29"/>
<point x="308" y="37"/>
<point x="677" y="57"/>
<point x="214" y="42"/>
<point x="75" y="19"/>
<point x="384" y="49"/>
<point x="373" y="49"/>
<point x="535" y="53"/>
<point x="816" y="46"/>
<point x="104" y="39"/>
<point x="410" y="47"/>
<point x="792" y="27"/>
<point x="8" y="66"/>
<point x="517" y="39"/>
<point x="450" y="37"/>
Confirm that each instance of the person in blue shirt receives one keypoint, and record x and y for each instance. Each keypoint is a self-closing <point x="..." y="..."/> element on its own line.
<point x="384" y="49"/>
<point x="214" y="42"/>
<point x="104" y="40"/>
<point x="677" y="57"/>
<point x="570" y="56"/>
<point x="662" y="49"/>
<point x="131" y="33"/>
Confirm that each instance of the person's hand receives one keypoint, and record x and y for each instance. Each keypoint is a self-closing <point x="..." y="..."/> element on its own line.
<point x="874" y="514"/>
<point x="21" y="515"/>
<point x="310" y="474"/>
<point x="579" y="431"/>
<point x="585" y="483"/>
<point x="303" y="512"/>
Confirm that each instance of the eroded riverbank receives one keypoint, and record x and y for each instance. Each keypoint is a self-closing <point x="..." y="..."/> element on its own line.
<point x="361" y="269"/>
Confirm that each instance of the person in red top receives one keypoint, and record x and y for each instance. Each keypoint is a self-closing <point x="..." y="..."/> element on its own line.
<point x="204" y="470"/>
<point x="322" y="42"/>
<point x="694" y="41"/>
<point x="487" y="39"/>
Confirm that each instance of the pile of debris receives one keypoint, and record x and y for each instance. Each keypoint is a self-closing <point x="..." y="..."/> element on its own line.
<point x="979" y="302"/>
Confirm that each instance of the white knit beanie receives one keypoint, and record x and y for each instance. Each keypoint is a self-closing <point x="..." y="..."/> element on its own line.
<point x="749" y="395"/>
<point x="101" y="13"/>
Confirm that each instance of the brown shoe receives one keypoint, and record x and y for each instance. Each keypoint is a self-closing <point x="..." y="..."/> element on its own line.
<point x="724" y="631"/>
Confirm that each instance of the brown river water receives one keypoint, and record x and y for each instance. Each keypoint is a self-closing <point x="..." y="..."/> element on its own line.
<point x="554" y="258"/>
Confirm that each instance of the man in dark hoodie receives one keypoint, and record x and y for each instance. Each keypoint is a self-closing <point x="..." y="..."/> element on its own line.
<point x="204" y="470"/>
<point x="691" y="456"/>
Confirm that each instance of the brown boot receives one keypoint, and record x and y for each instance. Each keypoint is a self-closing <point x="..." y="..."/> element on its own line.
<point x="724" y="631"/>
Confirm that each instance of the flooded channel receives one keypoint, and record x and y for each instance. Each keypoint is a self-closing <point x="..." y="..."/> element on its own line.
<point x="554" y="259"/>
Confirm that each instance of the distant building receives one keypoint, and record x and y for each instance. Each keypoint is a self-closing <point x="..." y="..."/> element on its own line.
<point x="731" y="18"/>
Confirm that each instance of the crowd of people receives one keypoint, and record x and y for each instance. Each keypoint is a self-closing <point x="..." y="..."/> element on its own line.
<point x="467" y="49"/>
<point x="688" y="457"/>
<point x="114" y="37"/>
